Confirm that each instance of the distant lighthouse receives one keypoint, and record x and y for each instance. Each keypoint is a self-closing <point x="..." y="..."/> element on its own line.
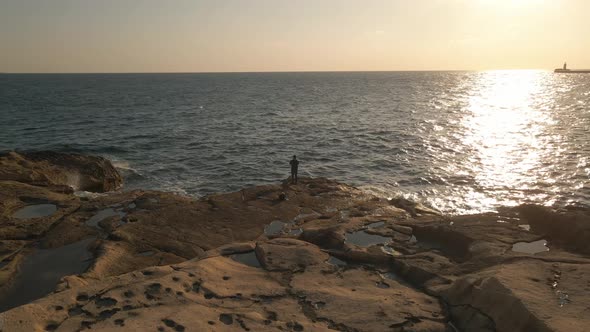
<point x="571" y="71"/>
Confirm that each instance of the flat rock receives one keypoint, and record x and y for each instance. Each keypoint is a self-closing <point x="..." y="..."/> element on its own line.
<point x="363" y="300"/>
<point x="527" y="295"/>
<point x="215" y="294"/>
<point x="168" y="262"/>
<point x="289" y="254"/>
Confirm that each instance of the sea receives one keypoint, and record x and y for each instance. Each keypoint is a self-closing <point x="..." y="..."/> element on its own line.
<point x="460" y="142"/>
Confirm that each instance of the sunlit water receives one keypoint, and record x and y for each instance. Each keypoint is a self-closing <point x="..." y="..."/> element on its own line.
<point x="458" y="141"/>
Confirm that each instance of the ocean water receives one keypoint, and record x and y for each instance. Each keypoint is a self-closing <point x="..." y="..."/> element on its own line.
<point x="460" y="142"/>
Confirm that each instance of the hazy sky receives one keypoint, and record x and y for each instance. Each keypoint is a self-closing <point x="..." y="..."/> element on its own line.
<point x="291" y="35"/>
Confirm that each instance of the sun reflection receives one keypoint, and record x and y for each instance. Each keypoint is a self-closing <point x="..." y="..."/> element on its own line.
<point x="503" y="131"/>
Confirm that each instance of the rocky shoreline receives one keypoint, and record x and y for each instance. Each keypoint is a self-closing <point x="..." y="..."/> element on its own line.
<point x="326" y="257"/>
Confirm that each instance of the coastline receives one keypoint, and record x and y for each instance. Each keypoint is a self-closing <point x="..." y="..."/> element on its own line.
<point x="159" y="259"/>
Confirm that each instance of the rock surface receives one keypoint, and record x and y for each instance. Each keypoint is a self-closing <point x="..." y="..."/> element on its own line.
<point x="328" y="257"/>
<point x="60" y="171"/>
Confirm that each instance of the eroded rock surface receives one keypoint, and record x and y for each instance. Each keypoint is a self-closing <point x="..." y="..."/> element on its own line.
<point x="218" y="293"/>
<point x="60" y="171"/>
<point x="328" y="257"/>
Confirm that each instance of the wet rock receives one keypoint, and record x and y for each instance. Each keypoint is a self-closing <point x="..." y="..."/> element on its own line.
<point x="571" y="229"/>
<point x="364" y="239"/>
<point x="40" y="272"/>
<point x="247" y="258"/>
<point x="226" y="319"/>
<point x="234" y="248"/>
<point x="15" y="196"/>
<point x="413" y="208"/>
<point x="35" y="211"/>
<point x="67" y="231"/>
<point x="532" y="248"/>
<point x="468" y="318"/>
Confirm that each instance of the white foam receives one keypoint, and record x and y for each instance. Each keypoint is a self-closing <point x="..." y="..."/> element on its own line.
<point x="88" y="194"/>
<point x="380" y="191"/>
<point x="121" y="164"/>
<point x="73" y="180"/>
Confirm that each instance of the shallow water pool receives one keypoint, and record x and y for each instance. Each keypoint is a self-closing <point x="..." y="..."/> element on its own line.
<point x="41" y="271"/>
<point x="532" y="248"/>
<point x="35" y="211"/>
<point x="364" y="239"/>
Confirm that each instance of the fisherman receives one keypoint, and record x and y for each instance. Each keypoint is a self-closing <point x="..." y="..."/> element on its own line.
<point x="294" y="165"/>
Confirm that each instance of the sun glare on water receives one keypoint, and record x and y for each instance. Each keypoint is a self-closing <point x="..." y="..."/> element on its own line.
<point x="504" y="132"/>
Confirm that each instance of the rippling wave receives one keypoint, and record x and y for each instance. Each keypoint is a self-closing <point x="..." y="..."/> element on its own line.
<point x="458" y="141"/>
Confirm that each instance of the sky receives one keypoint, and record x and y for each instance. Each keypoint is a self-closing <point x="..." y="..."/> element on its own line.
<point x="64" y="36"/>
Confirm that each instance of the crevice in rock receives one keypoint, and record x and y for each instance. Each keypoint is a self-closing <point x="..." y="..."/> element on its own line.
<point x="58" y="221"/>
<point x="463" y="325"/>
<point x="307" y="308"/>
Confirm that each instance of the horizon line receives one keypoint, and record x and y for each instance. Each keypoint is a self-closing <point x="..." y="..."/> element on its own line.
<point x="268" y="72"/>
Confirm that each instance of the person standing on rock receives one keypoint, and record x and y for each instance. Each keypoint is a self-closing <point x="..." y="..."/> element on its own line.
<point x="294" y="165"/>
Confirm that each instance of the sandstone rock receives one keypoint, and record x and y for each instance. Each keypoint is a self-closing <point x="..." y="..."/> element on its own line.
<point x="426" y="269"/>
<point x="115" y="258"/>
<point x="68" y="230"/>
<point x="289" y="255"/>
<point x="55" y="170"/>
<point x="361" y="300"/>
<point x="330" y="237"/>
<point x="235" y="248"/>
<point x="413" y="208"/>
<point x="215" y="294"/>
<point x="521" y="296"/>
<point x="468" y="318"/>
<point x="169" y="262"/>
<point x="570" y="229"/>
<point x="15" y="196"/>
<point x="402" y="229"/>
